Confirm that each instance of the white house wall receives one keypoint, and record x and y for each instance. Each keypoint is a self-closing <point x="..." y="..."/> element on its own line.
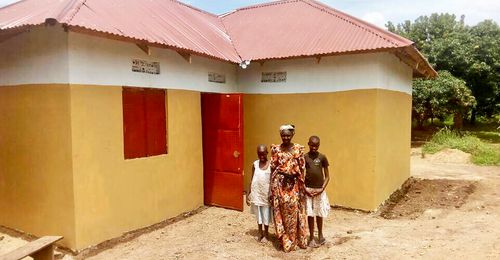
<point x="395" y="75"/>
<point x="35" y="57"/>
<point x="48" y="55"/>
<point x="331" y="74"/>
<point x="99" y="61"/>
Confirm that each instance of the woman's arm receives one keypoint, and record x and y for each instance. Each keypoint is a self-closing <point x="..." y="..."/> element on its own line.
<point x="301" y="161"/>
<point x="273" y="162"/>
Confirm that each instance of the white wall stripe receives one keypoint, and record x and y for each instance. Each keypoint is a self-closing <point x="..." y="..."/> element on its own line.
<point x="52" y="56"/>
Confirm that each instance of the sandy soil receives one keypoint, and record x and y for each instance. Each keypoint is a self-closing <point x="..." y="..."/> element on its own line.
<point x="449" y="156"/>
<point x="450" y="210"/>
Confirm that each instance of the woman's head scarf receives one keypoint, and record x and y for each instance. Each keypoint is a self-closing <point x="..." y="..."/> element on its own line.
<point x="288" y="127"/>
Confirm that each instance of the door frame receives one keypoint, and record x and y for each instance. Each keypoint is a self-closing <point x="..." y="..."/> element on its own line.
<point x="217" y="178"/>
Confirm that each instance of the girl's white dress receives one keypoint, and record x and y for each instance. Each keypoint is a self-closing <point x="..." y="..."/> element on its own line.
<point x="259" y="195"/>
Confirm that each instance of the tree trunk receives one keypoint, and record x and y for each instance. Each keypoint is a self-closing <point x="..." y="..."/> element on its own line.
<point x="458" y="121"/>
<point x="473" y="117"/>
<point x="420" y="123"/>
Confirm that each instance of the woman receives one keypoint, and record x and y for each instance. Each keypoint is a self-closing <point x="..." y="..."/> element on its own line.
<point x="287" y="191"/>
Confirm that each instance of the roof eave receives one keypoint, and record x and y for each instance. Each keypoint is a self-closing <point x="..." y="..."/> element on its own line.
<point x="420" y="65"/>
<point x="95" y="33"/>
<point x="409" y="55"/>
<point x="319" y="54"/>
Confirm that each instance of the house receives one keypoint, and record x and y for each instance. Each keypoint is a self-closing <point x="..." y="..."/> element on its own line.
<point x="119" y="114"/>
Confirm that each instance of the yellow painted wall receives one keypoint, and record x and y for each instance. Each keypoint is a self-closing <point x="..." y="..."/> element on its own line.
<point x="345" y="122"/>
<point x="36" y="184"/>
<point x="114" y="195"/>
<point x="364" y="133"/>
<point x="393" y="142"/>
<point x="48" y="132"/>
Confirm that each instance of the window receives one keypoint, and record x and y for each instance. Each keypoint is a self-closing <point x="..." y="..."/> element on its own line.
<point x="144" y="122"/>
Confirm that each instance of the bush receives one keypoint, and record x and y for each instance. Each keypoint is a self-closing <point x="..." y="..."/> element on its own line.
<point x="482" y="153"/>
<point x="441" y="97"/>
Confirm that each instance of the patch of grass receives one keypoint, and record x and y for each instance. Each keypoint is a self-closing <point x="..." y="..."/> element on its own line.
<point x="482" y="153"/>
<point x="490" y="136"/>
<point x="486" y="131"/>
<point x="490" y="155"/>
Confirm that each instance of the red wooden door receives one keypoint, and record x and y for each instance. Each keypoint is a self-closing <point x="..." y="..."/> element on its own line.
<point x="222" y="116"/>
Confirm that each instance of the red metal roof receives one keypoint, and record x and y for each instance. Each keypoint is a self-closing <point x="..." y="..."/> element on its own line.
<point x="280" y="29"/>
<point x="302" y="28"/>
<point x="164" y="22"/>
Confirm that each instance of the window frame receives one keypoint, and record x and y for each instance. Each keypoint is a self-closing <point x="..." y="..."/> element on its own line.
<point x="145" y="122"/>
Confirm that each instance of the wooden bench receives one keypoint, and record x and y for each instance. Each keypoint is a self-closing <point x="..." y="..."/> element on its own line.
<point x="40" y="249"/>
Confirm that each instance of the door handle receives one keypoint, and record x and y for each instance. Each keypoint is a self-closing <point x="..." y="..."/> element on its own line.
<point x="236" y="154"/>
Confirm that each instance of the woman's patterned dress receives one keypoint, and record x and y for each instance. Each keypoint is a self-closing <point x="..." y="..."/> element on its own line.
<point x="288" y="197"/>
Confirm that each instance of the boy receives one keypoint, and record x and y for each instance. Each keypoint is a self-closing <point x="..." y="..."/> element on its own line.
<point x="317" y="178"/>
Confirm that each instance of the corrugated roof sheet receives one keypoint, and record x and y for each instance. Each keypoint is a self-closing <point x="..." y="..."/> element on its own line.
<point x="302" y="28"/>
<point x="164" y="22"/>
<point x="280" y="29"/>
<point x="25" y="13"/>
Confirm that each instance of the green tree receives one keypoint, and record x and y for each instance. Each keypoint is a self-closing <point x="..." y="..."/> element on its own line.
<point x="483" y="73"/>
<point x="442" y="38"/>
<point x="437" y="98"/>
<point x="469" y="53"/>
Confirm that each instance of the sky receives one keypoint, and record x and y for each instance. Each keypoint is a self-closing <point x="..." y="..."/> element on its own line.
<point x="377" y="12"/>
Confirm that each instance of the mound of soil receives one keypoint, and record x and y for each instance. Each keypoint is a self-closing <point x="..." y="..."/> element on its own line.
<point x="450" y="156"/>
<point x="418" y="195"/>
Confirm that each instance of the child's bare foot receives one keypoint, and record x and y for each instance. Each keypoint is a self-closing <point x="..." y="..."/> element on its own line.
<point x="264" y="240"/>
<point x="259" y="238"/>
<point x="312" y="244"/>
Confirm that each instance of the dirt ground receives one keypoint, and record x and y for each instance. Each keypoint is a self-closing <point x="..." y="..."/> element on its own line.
<point x="449" y="209"/>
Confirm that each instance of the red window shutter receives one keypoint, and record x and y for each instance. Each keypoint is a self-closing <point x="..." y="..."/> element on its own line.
<point x="134" y="123"/>
<point x="156" y="123"/>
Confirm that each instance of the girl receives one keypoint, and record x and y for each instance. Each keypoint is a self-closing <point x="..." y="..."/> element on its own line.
<point x="259" y="192"/>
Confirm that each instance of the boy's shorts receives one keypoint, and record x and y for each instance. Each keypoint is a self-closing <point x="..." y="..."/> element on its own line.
<point x="263" y="214"/>
<point x="317" y="206"/>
